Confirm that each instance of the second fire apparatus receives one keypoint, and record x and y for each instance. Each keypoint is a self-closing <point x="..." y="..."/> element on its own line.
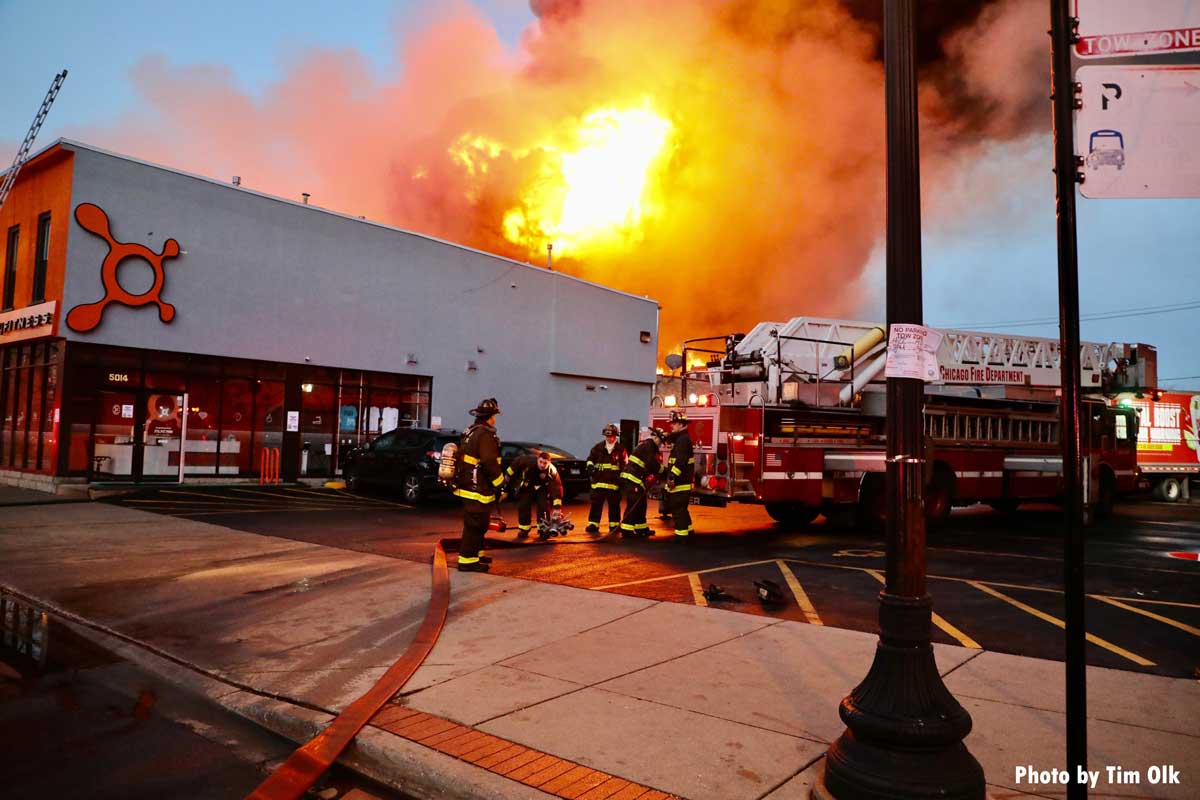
<point x="793" y="415"/>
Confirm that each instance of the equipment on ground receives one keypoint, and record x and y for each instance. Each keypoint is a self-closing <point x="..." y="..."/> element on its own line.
<point x="497" y="524"/>
<point x="717" y="594"/>
<point x="769" y="592"/>
<point x="559" y="525"/>
<point x="10" y="177"/>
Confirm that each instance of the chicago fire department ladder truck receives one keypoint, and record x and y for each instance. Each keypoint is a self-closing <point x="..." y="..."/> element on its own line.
<point x="792" y="415"/>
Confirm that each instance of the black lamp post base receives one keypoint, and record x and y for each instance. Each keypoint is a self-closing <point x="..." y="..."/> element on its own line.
<point x="856" y="770"/>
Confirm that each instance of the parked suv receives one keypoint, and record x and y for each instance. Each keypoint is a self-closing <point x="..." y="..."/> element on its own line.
<point x="572" y="471"/>
<point x="404" y="459"/>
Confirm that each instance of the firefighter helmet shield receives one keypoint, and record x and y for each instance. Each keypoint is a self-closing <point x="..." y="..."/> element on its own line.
<point x="610" y="430"/>
<point x="486" y="408"/>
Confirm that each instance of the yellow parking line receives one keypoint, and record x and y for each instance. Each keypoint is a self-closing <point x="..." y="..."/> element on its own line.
<point x="1177" y="603"/>
<point x="1096" y="640"/>
<point x="810" y="613"/>
<point x="697" y="589"/>
<point x="337" y="495"/>
<point x="682" y="574"/>
<point x="1145" y="613"/>
<point x="939" y="620"/>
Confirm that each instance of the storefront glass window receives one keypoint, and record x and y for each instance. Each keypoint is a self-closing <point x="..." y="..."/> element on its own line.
<point x="50" y="417"/>
<point x="33" y="431"/>
<point x="269" y="420"/>
<point x="237" y="411"/>
<point x="203" y="427"/>
<point x="7" y="406"/>
<point x="317" y="419"/>
<point x="20" y="403"/>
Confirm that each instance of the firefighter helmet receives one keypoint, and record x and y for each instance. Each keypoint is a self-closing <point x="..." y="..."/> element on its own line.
<point x="610" y="430"/>
<point x="658" y="434"/>
<point x="679" y="417"/>
<point x="486" y="408"/>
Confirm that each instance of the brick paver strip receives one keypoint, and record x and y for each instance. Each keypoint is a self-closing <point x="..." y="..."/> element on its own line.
<point x="549" y="773"/>
<point x="566" y="779"/>
<point x="439" y="739"/>
<point x="392" y="713"/>
<point x="634" y="791"/>
<point x="500" y="757"/>
<point x="422" y="729"/>
<point x="605" y="790"/>
<point x="655" y="795"/>
<point x="462" y="744"/>
<point x="398" y="725"/>
<point x="582" y="787"/>
<point x="487" y="746"/>
<point x="537" y="765"/>
<point x="516" y="762"/>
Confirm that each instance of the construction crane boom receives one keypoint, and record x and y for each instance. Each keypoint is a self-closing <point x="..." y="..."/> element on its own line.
<point x="10" y="177"/>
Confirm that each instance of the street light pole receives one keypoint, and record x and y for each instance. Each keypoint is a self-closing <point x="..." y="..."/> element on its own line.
<point x="904" y="730"/>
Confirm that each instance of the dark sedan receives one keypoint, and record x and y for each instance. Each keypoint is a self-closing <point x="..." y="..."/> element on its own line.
<point x="404" y="460"/>
<point x="571" y="470"/>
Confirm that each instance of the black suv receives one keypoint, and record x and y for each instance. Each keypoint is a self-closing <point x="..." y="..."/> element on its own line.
<point x="572" y="471"/>
<point x="404" y="459"/>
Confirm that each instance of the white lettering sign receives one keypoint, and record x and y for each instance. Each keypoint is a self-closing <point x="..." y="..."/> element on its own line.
<point x="1123" y="28"/>
<point x="912" y="352"/>
<point x="293" y="421"/>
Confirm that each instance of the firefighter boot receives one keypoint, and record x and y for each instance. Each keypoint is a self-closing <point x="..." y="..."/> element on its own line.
<point x="474" y="566"/>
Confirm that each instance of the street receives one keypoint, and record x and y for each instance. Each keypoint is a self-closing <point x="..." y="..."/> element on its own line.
<point x="995" y="580"/>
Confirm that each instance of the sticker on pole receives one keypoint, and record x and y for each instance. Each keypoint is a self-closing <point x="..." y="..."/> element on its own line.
<point x="1138" y="131"/>
<point x="1124" y="28"/>
<point x="912" y="352"/>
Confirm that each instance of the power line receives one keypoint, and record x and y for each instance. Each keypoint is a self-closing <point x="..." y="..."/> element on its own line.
<point x="1099" y="315"/>
<point x="1182" y="378"/>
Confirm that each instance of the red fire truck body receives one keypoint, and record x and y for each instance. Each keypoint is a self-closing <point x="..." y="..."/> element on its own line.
<point x="803" y="439"/>
<point x="1168" y="447"/>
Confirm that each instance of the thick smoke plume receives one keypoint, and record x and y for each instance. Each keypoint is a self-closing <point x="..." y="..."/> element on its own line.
<point x="764" y="201"/>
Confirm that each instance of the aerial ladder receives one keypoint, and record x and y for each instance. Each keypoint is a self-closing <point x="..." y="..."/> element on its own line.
<point x="10" y="177"/>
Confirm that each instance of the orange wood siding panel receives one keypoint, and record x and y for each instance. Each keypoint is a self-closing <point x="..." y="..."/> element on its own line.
<point x="43" y="185"/>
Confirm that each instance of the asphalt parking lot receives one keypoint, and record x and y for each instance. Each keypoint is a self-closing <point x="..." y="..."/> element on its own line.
<point x="996" y="580"/>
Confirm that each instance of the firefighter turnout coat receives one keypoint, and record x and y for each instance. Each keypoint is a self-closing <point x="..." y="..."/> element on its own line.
<point x="643" y="463"/>
<point x="524" y="478"/>
<point x="681" y="464"/>
<point x="605" y="467"/>
<point x="477" y="477"/>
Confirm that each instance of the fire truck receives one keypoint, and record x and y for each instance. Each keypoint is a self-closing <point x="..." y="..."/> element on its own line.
<point x="792" y="415"/>
<point x="1168" y="445"/>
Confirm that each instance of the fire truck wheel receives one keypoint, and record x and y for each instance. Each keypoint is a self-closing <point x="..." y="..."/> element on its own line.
<point x="939" y="496"/>
<point x="1170" y="490"/>
<point x="1107" y="494"/>
<point x="872" y="502"/>
<point x="792" y="515"/>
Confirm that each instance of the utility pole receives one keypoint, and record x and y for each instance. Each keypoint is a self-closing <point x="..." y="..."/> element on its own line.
<point x="550" y="256"/>
<point x="23" y="151"/>
<point x="905" y="731"/>
<point x="1063" y="34"/>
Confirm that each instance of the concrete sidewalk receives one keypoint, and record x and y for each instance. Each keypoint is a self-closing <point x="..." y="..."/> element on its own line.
<point x="575" y="692"/>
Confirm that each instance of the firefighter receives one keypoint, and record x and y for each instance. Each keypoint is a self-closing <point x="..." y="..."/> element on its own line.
<point x="643" y="467"/>
<point x="533" y="480"/>
<point x="477" y="480"/>
<point x="604" y="466"/>
<point x="680" y="469"/>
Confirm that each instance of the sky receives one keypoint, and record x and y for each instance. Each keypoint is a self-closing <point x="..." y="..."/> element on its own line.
<point x="989" y="247"/>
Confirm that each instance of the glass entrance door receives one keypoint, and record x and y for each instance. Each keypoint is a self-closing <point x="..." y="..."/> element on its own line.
<point x="162" y="435"/>
<point x="115" y="441"/>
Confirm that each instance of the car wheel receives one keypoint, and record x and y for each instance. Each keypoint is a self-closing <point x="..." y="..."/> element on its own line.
<point x="413" y="491"/>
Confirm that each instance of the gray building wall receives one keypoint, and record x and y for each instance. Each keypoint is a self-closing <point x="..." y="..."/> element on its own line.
<point x="265" y="278"/>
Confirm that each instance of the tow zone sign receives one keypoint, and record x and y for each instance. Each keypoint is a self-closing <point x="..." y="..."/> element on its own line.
<point x="1136" y="27"/>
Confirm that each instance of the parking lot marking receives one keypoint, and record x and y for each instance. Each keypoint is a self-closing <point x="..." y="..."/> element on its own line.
<point x="1059" y="558"/>
<point x="682" y="574"/>
<point x="339" y="496"/>
<point x="1177" y="603"/>
<point x="1042" y="615"/>
<point x="697" y="589"/>
<point x="806" y="605"/>
<point x="939" y="620"/>
<point x="1145" y="613"/>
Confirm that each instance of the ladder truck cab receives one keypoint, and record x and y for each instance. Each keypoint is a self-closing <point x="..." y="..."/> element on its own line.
<point x="792" y="415"/>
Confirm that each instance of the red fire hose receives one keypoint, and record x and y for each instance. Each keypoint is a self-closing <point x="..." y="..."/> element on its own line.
<point x="302" y="769"/>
